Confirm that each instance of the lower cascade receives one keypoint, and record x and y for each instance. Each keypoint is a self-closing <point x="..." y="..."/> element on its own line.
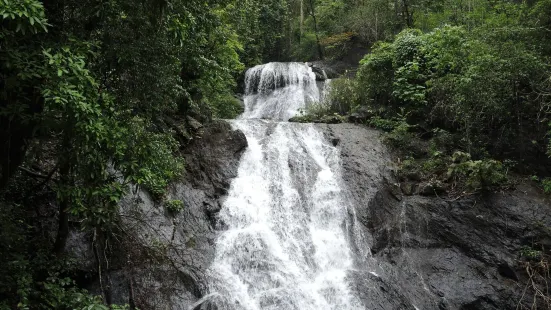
<point x="286" y="239"/>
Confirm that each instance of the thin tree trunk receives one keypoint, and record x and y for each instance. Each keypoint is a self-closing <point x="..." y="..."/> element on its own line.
<point x="313" y="14"/>
<point x="65" y="180"/>
<point x="12" y="156"/>
<point x="406" y="12"/>
<point x="301" y="18"/>
<point x="63" y="220"/>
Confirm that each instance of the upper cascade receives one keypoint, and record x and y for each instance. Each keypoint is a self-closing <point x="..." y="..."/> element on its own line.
<point x="279" y="90"/>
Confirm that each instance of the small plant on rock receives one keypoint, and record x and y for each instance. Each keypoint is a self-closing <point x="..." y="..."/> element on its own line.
<point x="546" y="183"/>
<point x="477" y="174"/>
<point x="174" y="206"/>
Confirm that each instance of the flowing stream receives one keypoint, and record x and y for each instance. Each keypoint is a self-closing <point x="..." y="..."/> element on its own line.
<point x="286" y="243"/>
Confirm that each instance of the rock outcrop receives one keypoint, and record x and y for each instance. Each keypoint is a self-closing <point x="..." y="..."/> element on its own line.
<point x="415" y="252"/>
<point x="332" y="69"/>
<point x="160" y="260"/>
<point x="437" y="252"/>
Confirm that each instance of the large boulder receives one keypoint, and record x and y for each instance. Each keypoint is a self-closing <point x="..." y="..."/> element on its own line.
<point x="329" y="69"/>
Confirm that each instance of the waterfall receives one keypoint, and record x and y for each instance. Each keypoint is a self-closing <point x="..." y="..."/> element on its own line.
<point x="285" y="243"/>
<point x="279" y="90"/>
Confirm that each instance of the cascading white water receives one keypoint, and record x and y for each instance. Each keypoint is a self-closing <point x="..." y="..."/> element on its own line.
<point x="278" y="90"/>
<point x="325" y="90"/>
<point x="286" y="244"/>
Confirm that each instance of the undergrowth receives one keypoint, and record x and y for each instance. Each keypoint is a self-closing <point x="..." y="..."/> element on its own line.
<point x="433" y="157"/>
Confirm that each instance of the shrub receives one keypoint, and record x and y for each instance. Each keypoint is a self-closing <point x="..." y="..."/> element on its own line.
<point x="174" y="206"/>
<point x="477" y="174"/>
<point x="530" y="253"/>
<point x="546" y="183"/>
<point x="478" y="85"/>
<point x="342" y="96"/>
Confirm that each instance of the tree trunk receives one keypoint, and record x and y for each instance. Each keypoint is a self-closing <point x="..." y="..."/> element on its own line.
<point x="63" y="220"/>
<point x="65" y="181"/>
<point x="313" y="14"/>
<point x="408" y="16"/>
<point x="15" y="132"/>
<point x="301" y="18"/>
<point x="13" y="153"/>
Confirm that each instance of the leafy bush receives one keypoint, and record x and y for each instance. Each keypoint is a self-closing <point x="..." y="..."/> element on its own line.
<point x="530" y="253"/>
<point x="546" y="183"/>
<point x="38" y="281"/>
<point x="399" y="133"/>
<point x="330" y="109"/>
<point x="342" y="95"/>
<point x="481" y="87"/>
<point x="174" y="206"/>
<point x="478" y="174"/>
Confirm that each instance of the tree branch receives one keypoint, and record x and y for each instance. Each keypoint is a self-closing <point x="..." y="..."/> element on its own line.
<point x="38" y="175"/>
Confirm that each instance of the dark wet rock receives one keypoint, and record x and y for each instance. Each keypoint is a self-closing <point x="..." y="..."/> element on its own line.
<point x="179" y="128"/>
<point x="320" y="73"/>
<point x="332" y="69"/>
<point x="193" y="124"/>
<point x="507" y="271"/>
<point x="434" y="252"/>
<point x="213" y="158"/>
<point x="395" y="190"/>
<point x="365" y="160"/>
<point x="376" y="293"/>
<point x="408" y="188"/>
<point x="425" y="252"/>
<point x="324" y="119"/>
<point x="413" y="175"/>
<point x="79" y="243"/>
<point x="431" y="188"/>
<point x="458" y="246"/>
<point x="182" y="242"/>
<point x="361" y="115"/>
<point x="330" y="119"/>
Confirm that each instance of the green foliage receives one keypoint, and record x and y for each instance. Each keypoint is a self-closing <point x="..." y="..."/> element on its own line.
<point x="388" y="125"/>
<point x="478" y="174"/>
<point x="91" y="87"/>
<point x="375" y="77"/>
<point x="333" y="107"/>
<point x="530" y="253"/>
<point x="227" y="106"/>
<point x="457" y="172"/>
<point x="344" y="26"/>
<point x="546" y="183"/>
<point x="174" y="206"/>
<point x="342" y="96"/>
<point x="24" y="15"/>
<point x="147" y="158"/>
<point x="304" y="50"/>
<point x="486" y="85"/>
<point x="40" y="280"/>
<point x="261" y="26"/>
<point x="337" y="46"/>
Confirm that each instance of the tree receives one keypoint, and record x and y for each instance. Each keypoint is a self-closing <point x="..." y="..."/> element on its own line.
<point x="90" y="92"/>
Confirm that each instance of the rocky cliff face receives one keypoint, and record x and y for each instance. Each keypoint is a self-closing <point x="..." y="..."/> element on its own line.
<point x="161" y="256"/>
<point x="423" y="252"/>
<point x="438" y="252"/>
